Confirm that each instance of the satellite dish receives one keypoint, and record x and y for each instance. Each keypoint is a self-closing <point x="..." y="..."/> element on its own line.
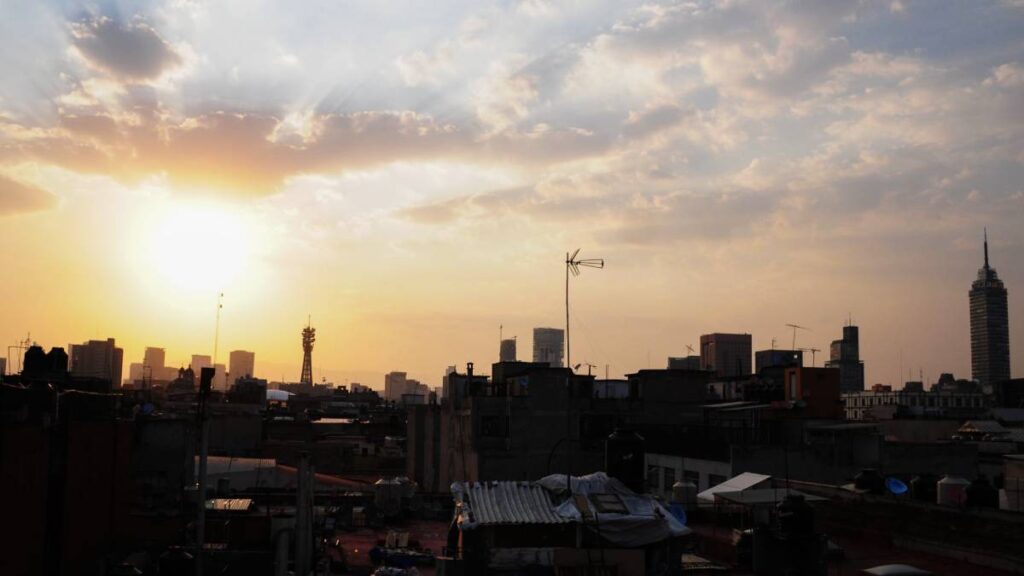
<point x="896" y="486"/>
<point x="677" y="511"/>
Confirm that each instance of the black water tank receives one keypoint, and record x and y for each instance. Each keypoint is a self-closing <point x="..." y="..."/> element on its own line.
<point x="922" y="487"/>
<point x="869" y="479"/>
<point x="981" y="494"/>
<point x="795" y="516"/>
<point x="624" y="458"/>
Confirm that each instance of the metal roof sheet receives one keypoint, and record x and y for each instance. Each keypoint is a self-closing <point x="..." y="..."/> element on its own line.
<point x="507" y="503"/>
<point x="738" y="483"/>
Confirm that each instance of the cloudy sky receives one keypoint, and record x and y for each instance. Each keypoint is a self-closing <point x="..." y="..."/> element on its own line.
<point x="411" y="175"/>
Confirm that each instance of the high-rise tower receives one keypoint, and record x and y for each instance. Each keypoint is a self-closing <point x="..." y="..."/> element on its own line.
<point x="990" y="326"/>
<point x="308" y="338"/>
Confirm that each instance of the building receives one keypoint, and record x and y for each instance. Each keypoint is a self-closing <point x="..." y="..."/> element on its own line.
<point x="100" y="359"/>
<point x="684" y="363"/>
<point x="153" y="361"/>
<point x="726" y="354"/>
<point x="990" y="327"/>
<point x="885" y="403"/>
<point x="508" y="350"/>
<point x="817" y="390"/>
<point x="549" y="346"/>
<point x="200" y="361"/>
<point x="3" y="367"/>
<point x="241" y="364"/>
<point x="398" y="387"/>
<point x="529" y="420"/>
<point x="844" y="354"/>
<point x="777" y="358"/>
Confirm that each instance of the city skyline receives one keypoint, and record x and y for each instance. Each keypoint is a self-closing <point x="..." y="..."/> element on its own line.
<point x="739" y="167"/>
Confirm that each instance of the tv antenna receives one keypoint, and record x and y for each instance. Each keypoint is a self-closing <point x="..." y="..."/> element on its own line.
<point x="689" y="349"/>
<point x="796" y="327"/>
<point x="573" y="264"/>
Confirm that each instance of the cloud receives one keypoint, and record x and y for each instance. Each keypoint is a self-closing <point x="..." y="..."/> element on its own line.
<point x="131" y="52"/>
<point x="16" y="197"/>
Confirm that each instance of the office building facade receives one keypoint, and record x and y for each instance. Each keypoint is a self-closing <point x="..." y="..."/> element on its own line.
<point x="844" y="354"/>
<point x="990" y="327"/>
<point x="726" y="354"/>
<point x="549" y="346"/>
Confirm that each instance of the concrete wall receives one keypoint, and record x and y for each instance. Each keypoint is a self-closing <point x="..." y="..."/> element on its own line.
<point x="709" y="472"/>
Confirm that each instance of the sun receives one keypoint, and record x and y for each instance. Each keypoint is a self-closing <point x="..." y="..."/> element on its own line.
<point x="195" y="247"/>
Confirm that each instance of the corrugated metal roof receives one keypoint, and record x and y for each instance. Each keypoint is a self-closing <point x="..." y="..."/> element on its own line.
<point x="507" y="503"/>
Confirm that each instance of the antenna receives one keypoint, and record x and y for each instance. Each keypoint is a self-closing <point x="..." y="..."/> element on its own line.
<point x="572" y="264"/>
<point x="689" y="349"/>
<point x="216" y="331"/>
<point x="986" y="247"/>
<point x="796" y="327"/>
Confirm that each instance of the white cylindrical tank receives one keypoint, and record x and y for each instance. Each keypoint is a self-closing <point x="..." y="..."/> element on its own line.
<point x="952" y="490"/>
<point x="684" y="493"/>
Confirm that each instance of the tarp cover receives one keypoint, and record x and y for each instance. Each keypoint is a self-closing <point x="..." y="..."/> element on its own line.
<point x="645" y="522"/>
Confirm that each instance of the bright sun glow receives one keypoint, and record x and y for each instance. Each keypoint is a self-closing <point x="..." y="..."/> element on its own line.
<point x="196" y="247"/>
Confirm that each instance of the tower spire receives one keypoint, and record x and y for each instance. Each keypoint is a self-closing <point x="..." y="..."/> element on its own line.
<point x="986" y="247"/>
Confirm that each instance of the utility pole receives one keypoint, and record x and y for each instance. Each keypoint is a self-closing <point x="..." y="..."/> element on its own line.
<point x="205" y="382"/>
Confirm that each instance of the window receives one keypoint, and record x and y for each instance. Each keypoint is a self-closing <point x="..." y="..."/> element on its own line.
<point x="669" y="478"/>
<point x="715" y="480"/>
<point x="692" y="476"/>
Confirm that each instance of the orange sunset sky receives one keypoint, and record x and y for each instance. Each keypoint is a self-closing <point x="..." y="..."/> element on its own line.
<point x="412" y="174"/>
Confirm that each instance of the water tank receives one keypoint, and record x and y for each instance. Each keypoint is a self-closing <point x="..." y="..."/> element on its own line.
<point x="869" y="479"/>
<point x="684" y="493"/>
<point x="923" y="487"/>
<point x="624" y="458"/>
<point x="795" y="516"/>
<point x="981" y="494"/>
<point x="952" y="491"/>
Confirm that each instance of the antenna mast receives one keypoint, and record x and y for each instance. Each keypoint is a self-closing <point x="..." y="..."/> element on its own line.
<point x="572" y="264"/>
<point x="216" y="331"/>
<point x="308" y="338"/>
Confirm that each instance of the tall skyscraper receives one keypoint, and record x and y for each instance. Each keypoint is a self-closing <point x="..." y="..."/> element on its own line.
<point x="845" y="355"/>
<point x="990" y="326"/>
<point x="98" y="359"/>
<point x="549" y="346"/>
<point x="726" y="354"/>
<point x="241" y="364"/>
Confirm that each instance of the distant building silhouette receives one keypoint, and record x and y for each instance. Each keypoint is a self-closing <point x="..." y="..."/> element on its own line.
<point x="726" y="354"/>
<point x="399" y="387"/>
<point x="549" y="346"/>
<point x="154" y="360"/>
<point x="241" y="364"/>
<point x="100" y="359"/>
<point x="990" y="326"/>
<point x="684" y="363"/>
<point x="3" y="367"/>
<point x="844" y="354"/>
<point x="200" y="361"/>
<point x="777" y="358"/>
<point x="508" y="350"/>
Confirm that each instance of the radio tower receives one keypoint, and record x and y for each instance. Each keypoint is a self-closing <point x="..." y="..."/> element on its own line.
<point x="308" y="338"/>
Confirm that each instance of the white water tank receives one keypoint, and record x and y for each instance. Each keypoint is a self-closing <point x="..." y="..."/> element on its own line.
<point x="684" y="493"/>
<point x="952" y="490"/>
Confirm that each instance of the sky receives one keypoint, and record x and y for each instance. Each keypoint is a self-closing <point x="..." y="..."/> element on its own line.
<point x="410" y="175"/>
